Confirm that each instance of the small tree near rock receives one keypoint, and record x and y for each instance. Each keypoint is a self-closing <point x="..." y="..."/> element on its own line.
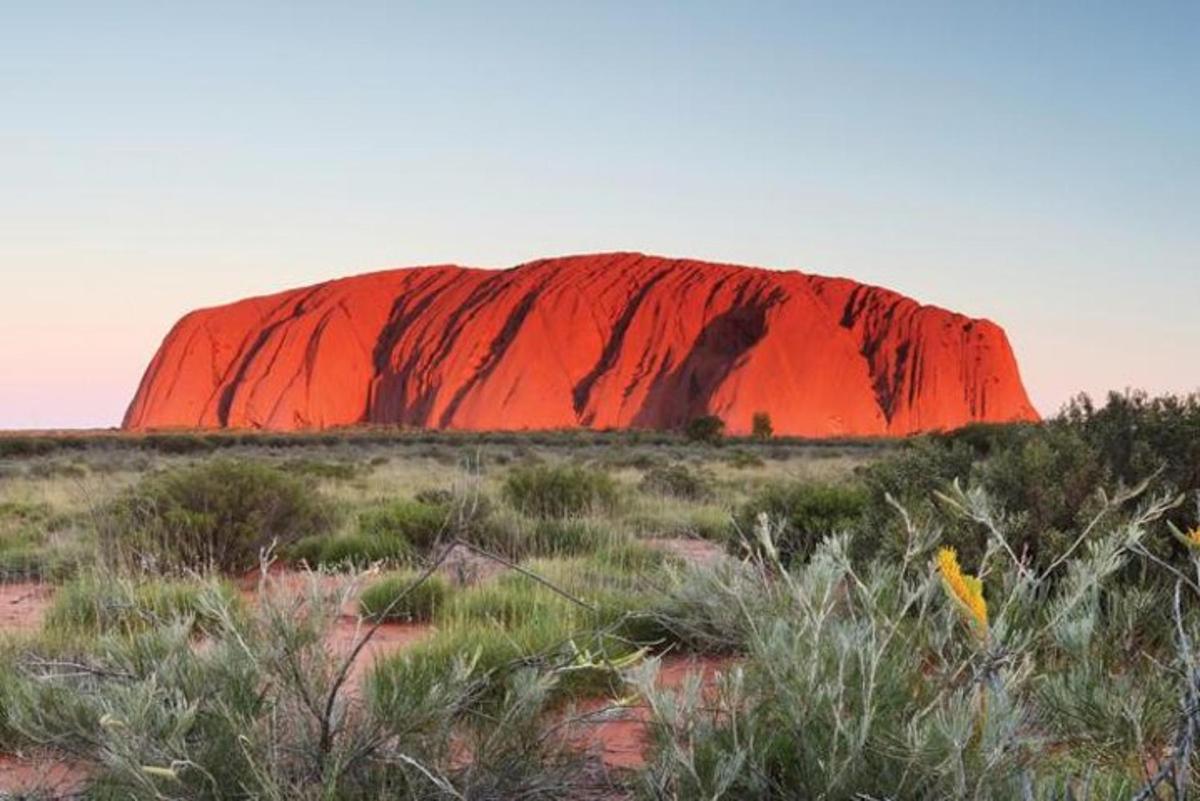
<point x="708" y="428"/>
<point x="760" y="426"/>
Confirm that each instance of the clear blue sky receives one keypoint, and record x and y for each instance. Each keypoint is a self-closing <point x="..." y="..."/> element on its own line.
<point x="1035" y="163"/>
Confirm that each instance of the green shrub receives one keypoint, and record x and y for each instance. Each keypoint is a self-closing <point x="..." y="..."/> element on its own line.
<point x="178" y="444"/>
<point x="20" y="446"/>
<point x="420" y="524"/>
<point x="1051" y="475"/>
<point x="741" y="459"/>
<point x="678" y="481"/>
<point x="853" y="679"/>
<point x="760" y="426"/>
<point x="708" y="429"/>
<point x="315" y="468"/>
<point x="213" y="515"/>
<point x="560" y="491"/>
<point x="806" y="513"/>
<point x="397" y="596"/>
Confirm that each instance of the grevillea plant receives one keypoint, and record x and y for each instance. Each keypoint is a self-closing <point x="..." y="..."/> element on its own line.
<point x="918" y="678"/>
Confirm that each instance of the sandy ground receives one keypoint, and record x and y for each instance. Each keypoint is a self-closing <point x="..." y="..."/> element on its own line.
<point x="696" y="551"/>
<point x="23" y="605"/>
<point x="619" y="736"/>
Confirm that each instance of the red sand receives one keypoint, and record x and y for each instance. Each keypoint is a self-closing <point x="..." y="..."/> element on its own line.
<point x="40" y="776"/>
<point x="620" y="736"/>
<point x="23" y="604"/>
<point x="600" y="341"/>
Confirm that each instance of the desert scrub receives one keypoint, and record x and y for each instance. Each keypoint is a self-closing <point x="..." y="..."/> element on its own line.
<point x="420" y="524"/>
<point x="259" y="712"/>
<point x="214" y="515"/>
<point x="518" y="536"/>
<point x="805" y="513"/>
<point x="514" y="622"/>
<point x="678" y="481"/>
<point x="98" y="603"/>
<point x="28" y="547"/>
<point x="392" y="532"/>
<point x="320" y="469"/>
<point x="558" y="491"/>
<point x="353" y="550"/>
<point x="906" y="677"/>
<point x="400" y="596"/>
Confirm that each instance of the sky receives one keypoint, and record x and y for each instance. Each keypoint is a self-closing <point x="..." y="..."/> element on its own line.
<point x="1037" y="164"/>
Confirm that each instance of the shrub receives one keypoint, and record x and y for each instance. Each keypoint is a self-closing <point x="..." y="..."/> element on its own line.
<point x="397" y="596"/>
<point x="678" y="481"/>
<point x="806" y="512"/>
<point x="559" y="491"/>
<point x="315" y="468"/>
<point x="760" y="426"/>
<point x="708" y="429"/>
<point x="420" y="524"/>
<point x="213" y="515"/>
<point x="178" y="444"/>
<point x="22" y="446"/>
<point x="857" y="688"/>
<point x="742" y="459"/>
<point x="1051" y="477"/>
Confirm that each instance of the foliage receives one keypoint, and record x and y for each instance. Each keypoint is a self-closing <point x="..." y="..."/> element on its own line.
<point x="559" y="491"/>
<point x="262" y="712"/>
<point x="353" y="550"/>
<point x="217" y="514"/>
<point x="760" y="426"/>
<point x="895" y="678"/>
<point x="420" y="524"/>
<point x="678" y="481"/>
<point x="404" y="596"/>
<point x="98" y="603"/>
<point x="807" y="512"/>
<point x="708" y="429"/>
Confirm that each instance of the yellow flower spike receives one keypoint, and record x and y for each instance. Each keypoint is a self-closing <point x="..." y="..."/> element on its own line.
<point x="1191" y="540"/>
<point x="965" y="590"/>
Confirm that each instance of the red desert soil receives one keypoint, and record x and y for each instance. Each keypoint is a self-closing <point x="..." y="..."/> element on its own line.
<point x="23" y="604"/>
<point x="704" y="553"/>
<point x="40" y="776"/>
<point x="620" y="736"/>
<point x="612" y="340"/>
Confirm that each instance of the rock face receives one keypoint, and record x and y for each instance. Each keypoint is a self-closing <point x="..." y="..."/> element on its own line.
<point x="599" y="341"/>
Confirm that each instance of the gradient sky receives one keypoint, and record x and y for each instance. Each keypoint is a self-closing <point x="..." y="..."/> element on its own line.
<point x="1034" y="163"/>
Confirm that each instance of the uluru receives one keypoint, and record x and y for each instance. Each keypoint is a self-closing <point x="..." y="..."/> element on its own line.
<point x="615" y="340"/>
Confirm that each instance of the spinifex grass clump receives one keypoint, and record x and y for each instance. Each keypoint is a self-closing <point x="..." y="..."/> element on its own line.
<point x="215" y="515"/>
<point x="404" y="596"/>
<point x="393" y="532"/>
<point x="578" y="618"/>
<point x="97" y="603"/>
